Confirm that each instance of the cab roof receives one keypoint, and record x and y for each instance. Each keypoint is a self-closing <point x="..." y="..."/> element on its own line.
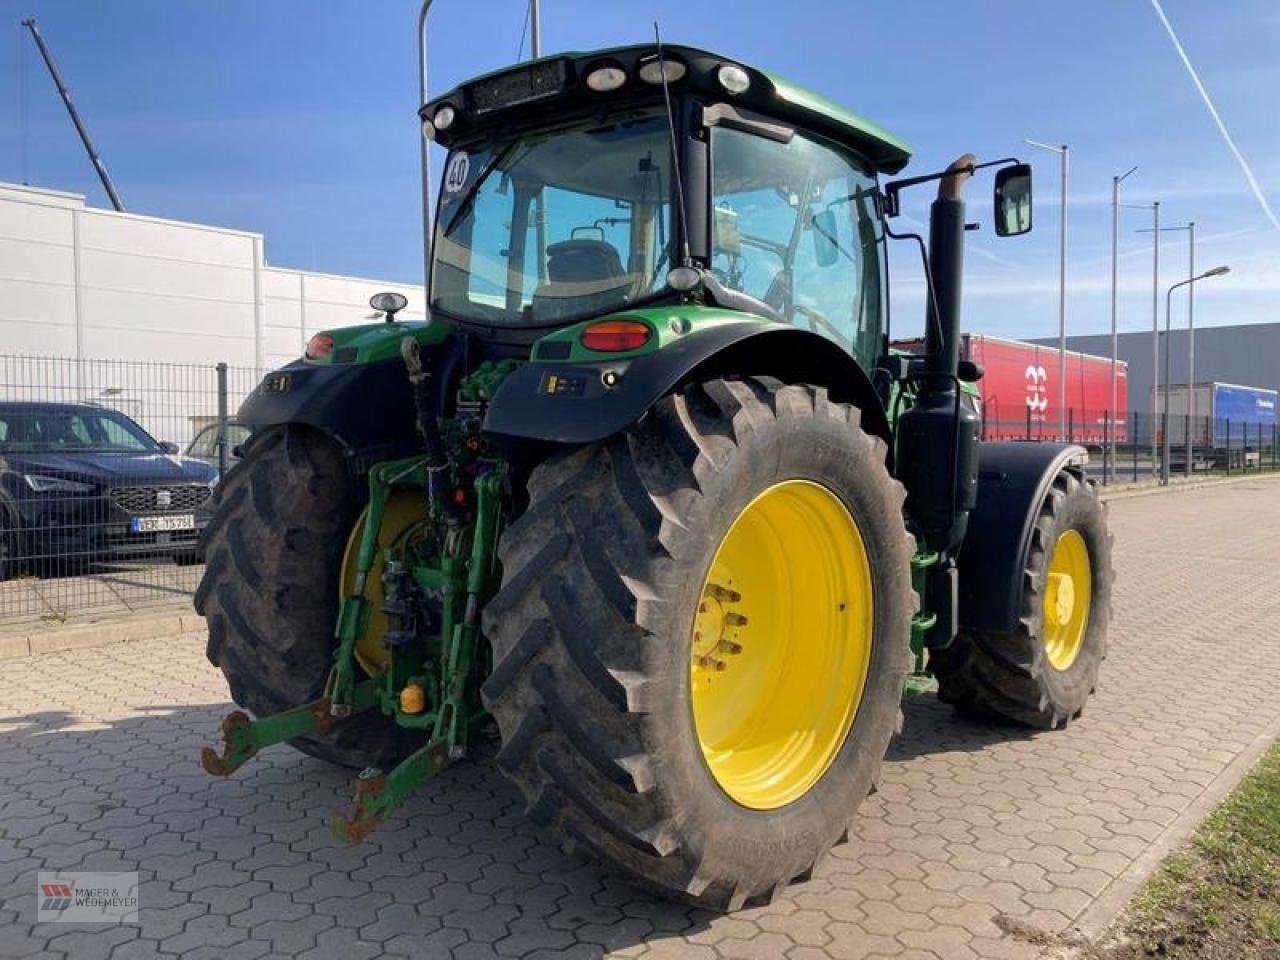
<point x="552" y="79"/>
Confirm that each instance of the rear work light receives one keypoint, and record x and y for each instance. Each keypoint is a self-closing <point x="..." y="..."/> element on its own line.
<point x="615" y="336"/>
<point x="319" y="346"/>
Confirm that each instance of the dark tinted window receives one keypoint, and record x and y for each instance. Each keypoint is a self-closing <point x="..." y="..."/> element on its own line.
<point x="67" y="429"/>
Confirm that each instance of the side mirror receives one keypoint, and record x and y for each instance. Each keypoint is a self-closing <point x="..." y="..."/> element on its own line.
<point x="1013" y="200"/>
<point x="168" y="446"/>
<point x="825" y="249"/>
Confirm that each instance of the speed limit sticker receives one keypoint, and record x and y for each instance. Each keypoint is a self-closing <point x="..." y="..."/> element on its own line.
<point x="455" y="175"/>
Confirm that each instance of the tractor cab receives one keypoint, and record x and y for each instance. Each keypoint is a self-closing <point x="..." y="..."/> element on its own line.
<point x="575" y="185"/>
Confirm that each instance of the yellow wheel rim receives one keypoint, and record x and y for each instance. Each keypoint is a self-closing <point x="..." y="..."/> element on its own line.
<point x="404" y="511"/>
<point x="781" y="644"/>
<point x="1067" y="596"/>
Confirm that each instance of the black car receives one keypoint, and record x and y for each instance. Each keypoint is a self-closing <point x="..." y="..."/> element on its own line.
<point x="80" y="483"/>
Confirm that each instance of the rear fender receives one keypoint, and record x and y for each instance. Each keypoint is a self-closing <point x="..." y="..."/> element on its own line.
<point x="366" y="408"/>
<point x="1013" y="479"/>
<point x="584" y="402"/>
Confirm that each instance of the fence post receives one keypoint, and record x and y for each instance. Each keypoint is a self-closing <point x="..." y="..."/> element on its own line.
<point x="1133" y="445"/>
<point x="222" y="419"/>
<point x="1190" y="456"/>
<point x="1228" y="446"/>
<point x="1107" y="453"/>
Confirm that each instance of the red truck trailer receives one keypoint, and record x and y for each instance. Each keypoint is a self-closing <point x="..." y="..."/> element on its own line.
<point x="1020" y="393"/>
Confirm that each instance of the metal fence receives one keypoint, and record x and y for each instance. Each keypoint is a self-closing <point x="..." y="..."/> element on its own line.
<point x="1197" y="446"/>
<point x="106" y="468"/>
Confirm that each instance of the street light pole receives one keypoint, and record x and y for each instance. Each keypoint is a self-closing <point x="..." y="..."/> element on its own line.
<point x="1109" y="466"/>
<point x="1191" y="272"/>
<point x="1168" y="311"/>
<point x="1191" y="341"/>
<point x="1064" y="154"/>
<point x="1155" y="319"/>
<point x="1155" y="314"/>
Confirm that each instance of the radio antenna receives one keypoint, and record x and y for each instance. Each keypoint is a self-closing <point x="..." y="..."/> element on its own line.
<point x="685" y="259"/>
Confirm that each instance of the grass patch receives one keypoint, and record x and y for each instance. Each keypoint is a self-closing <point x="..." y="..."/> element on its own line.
<point x="1217" y="898"/>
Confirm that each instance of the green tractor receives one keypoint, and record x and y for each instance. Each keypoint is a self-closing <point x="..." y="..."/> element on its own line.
<point x="649" y="491"/>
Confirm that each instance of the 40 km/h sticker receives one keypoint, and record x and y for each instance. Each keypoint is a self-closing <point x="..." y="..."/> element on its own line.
<point x="455" y="175"/>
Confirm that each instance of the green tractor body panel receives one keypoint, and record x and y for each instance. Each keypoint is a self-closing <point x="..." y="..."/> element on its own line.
<point x="372" y="342"/>
<point x="569" y="394"/>
<point x="667" y="324"/>
<point x="891" y="152"/>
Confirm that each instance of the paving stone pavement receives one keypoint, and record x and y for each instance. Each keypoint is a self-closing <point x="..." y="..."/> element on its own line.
<point x="99" y="771"/>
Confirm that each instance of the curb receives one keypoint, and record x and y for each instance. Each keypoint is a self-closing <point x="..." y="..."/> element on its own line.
<point x="1107" y="906"/>
<point x="1146" y="489"/>
<point x="96" y="633"/>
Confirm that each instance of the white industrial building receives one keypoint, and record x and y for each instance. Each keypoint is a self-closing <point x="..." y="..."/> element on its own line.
<point x="92" y="284"/>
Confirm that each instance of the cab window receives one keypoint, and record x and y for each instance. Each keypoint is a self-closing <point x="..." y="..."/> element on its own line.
<point x="795" y="225"/>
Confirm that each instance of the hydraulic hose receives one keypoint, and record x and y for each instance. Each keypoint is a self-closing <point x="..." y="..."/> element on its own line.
<point x="439" y="466"/>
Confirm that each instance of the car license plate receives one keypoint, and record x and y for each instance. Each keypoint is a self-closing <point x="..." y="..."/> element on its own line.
<point x="183" y="521"/>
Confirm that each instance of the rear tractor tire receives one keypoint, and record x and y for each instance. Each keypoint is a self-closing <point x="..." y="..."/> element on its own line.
<point x="1041" y="674"/>
<point x="274" y="556"/>
<point x="701" y="638"/>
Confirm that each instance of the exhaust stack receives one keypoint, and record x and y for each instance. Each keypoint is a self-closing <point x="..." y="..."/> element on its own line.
<point x="938" y="437"/>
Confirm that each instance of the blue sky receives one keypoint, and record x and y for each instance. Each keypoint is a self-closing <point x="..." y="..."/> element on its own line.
<point x="297" y="120"/>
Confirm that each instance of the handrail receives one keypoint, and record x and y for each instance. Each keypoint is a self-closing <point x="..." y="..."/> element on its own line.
<point x="535" y="49"/>
<point x="425" y="147"/>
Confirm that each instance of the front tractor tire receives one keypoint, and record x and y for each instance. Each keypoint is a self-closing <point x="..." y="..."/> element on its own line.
<point x="701" y="638"/>
<point x="1041" y="674"/>
<point x="274" y="556"/>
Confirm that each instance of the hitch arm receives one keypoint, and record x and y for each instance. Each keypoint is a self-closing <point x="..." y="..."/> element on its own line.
<point x="378" y="793"/>
<point x="243" y="737"/>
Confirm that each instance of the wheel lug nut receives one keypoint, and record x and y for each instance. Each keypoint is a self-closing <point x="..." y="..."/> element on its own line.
<point x="723" y="594"/>
<point x="728" y="646"/>
<point x="735" y="620"/>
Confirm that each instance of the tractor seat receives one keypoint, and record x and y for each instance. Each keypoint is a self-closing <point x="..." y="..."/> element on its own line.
<point x="582" y="261"/>
<point x="583" y="275"/>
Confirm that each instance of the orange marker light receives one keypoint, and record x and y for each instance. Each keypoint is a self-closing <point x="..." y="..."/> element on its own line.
<point x="615" y="336"/>
<point x="413" y="699"/>
<point x="319" y="346"/>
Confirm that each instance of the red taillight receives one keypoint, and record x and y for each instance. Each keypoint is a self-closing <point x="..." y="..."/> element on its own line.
<point x="615" y="336"/>
<point x="319" y="346"/>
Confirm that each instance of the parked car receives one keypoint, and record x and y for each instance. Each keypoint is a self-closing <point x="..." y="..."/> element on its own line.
<point x="204" y="445"/>
<point x="80" y="482"/>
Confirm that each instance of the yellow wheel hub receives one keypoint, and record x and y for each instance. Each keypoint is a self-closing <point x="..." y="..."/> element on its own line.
<point x="1068" y="591"/>
<point x="781" y="644"/>
<point x="404" y="511"/>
